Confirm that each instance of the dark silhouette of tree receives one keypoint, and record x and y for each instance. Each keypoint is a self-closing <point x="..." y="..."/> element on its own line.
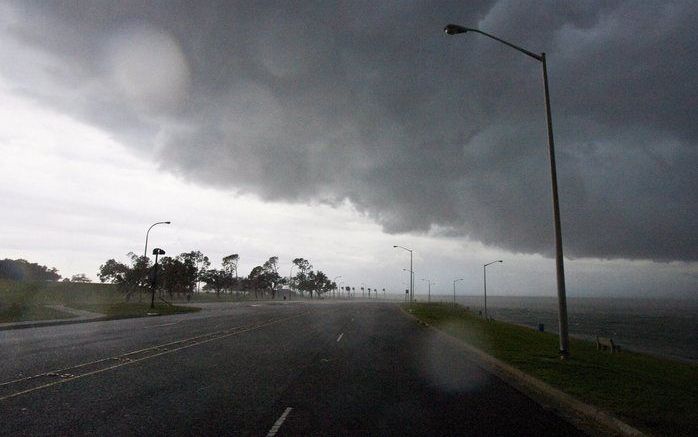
<point x="201" y="262"/>
<point x="80" y="277"/>
<point x="23" y="270"/>
<point x="319" y="283"/>
<point x="179" y="275"/>
<point x="216" y="280"/>
<point x="230" y="264"/>
<point x="129" y="280"/>
<point x="271" y="275"/>
<point x="112" y="271"/>
<point x="300" y="280"/>
<point x="266" y="277"/>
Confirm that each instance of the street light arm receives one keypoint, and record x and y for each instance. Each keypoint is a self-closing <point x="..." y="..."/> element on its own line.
<point x="401" y="247"/>
<point x="493" y="262"/>
<point x="145" y="250"/>
<point x="453" y="29"/>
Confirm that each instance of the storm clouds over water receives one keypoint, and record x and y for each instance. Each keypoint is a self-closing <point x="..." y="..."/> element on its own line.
<point x="372" y="103"/>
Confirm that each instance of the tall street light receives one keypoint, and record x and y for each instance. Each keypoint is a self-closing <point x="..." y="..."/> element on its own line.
<point x="484" y="275"/>
<point x="411" y="272"/>
<point x="454" y="290"/>
<point x="157" y="251"/>
<point x="335" y="285"/>
<point x="429" y="293"/>
<point x="453" y="29"/>
<point x="145" y="250"/>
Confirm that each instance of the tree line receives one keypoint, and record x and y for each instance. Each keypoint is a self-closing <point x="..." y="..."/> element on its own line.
<point x="183" y="274"/>
<point x="23" y="270"/>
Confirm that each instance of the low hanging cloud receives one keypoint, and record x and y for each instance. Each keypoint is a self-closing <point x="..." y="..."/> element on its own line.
<point x="372" y="103"/>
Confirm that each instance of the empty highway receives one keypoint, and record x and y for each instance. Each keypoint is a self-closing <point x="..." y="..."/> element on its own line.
<point x="294" y="368"/>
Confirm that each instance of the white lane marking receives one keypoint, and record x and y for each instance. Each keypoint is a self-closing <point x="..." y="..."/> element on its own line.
<point x="274" y="429"/>
<point x="212" y="337"/>
<point x="340" y="337"/>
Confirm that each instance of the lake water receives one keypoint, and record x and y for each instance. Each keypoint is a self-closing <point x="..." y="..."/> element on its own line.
<point x="667" y="327"/>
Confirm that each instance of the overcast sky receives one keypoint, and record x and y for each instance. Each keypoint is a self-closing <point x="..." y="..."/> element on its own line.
<point x="334" y="130"/>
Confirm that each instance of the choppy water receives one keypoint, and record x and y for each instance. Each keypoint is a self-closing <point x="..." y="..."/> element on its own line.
<point x="667" y="327"/>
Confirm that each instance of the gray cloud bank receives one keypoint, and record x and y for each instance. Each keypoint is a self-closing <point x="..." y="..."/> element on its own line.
<point x="370" y="102"/>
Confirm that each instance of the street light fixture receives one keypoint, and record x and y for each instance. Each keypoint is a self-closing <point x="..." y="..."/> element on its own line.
<point x="454" y="29"/>
<point x="429" y="293"/>
<point x="145" y="250"/>
<point x="411" y="271"/>
<point x="454" y="290"/>
<point x="484" y="276"/>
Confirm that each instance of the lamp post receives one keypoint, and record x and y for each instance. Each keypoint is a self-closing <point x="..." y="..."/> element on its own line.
<point x="484" y="279"/>
<point x="454" y="29"/>
<point x="411" y="272"/>
<point x="145" y="250"/>
<point x="429" y="293"/>
<point x="454" y="290"/>
<point x="157" y="251"/>
<point x="335" y="285"/>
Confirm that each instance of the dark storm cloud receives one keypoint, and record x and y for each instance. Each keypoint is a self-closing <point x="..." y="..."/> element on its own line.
<point x="372" y="103"/>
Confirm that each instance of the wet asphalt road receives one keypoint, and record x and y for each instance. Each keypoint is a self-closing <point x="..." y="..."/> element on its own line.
<point x="256" y="369"/>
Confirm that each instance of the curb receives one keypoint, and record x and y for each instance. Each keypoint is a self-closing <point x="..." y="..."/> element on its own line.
<point x="40" y="324"/>
<point x="583" y="415"/>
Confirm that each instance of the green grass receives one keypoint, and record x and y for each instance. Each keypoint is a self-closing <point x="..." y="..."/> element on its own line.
<point x="659" y="396"/>
<point x="17" y="312"/>
<point x="21" y="301"/>
<point x="48" y="293"/>
<point x="123" y="310"/>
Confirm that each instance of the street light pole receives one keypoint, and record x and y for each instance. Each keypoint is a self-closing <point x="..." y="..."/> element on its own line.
<point x="453" y="29"/>
<point x="484" y="277"/>
<point x="429" y="292"/>
<point x="454" y="290"/>
<point x="335" y="285"/>
<point x="157" y="251"/>
<point x="411" y="273"/>
<point x="145" y="250"/>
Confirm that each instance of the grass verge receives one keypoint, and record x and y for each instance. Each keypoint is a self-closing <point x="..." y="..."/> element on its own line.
<point x="658" y="396"/>
<point x="17" y="312"/>
<point x="124" y="310"/>
<point x="23" y="301"/>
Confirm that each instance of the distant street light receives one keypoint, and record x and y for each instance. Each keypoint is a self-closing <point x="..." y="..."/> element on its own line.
<point x="156" y="252"/>
<point x="145" y="250"/>
<point x="335" y="285"/>
<point x="484" y="277"/>
<point x="429" y="295"/>
<point x="411" y="272"/>
<point x="454" y="290"/>
<point x="453" y="29"/>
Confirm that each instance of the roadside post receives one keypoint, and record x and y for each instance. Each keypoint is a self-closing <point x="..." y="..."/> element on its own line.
<point x="157" y="251"/>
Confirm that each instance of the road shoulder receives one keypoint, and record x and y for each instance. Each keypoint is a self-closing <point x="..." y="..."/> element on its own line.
<point x="584" y="416"/>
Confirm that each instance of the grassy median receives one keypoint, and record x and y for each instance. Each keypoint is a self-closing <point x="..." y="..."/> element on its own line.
<point x="123" y="310"/>
<point x="659" y="396"/>
<point x="17" y="312"/>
